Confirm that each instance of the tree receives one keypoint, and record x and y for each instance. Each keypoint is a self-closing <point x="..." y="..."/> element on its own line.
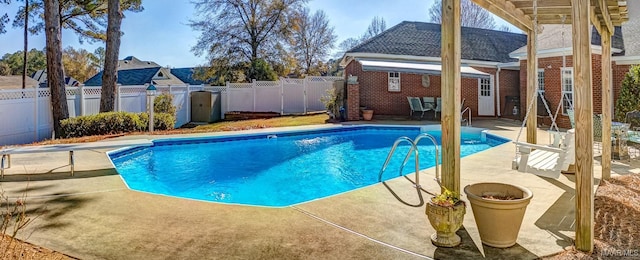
<point x="4" y="69"/>
<point x="36" y="60"/>
<point x="261" y="70"/>
<point x="377" y="26"/>
<point x="504" y="28"/>
<point x="55" y="74"/>
<point x="26" y="45"/>
<point x="4" y="18"/>
<point x="98" y="57"/>
<point x="313" y="38"/>
<point x="629" y="98"/>
<point x="79" y="63"/>
<point x="235" y="32"/>
<point x="110" y="72"/>
<point x="87" y="18"/>
<point x="471" y="14"/>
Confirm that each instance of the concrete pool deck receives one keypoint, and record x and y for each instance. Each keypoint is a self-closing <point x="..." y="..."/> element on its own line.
<point x="93" y="215"/>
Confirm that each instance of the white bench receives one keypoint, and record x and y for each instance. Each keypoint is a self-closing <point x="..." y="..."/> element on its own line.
<point x="7" y="152"/>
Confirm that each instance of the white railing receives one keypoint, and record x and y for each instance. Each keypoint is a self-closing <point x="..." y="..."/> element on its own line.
<point x="28" y="117"/>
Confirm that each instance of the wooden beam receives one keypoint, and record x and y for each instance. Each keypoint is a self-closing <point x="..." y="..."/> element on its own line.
<point x="583" y="107"/>
<point x="541" y="4"/>
<point x="532" y="88"/>
<point x="507" y="11"/>
<point x="450" y="89"/>
<point x="606" y="103"/>
<point x="594" y="19"/>
<point x="606" y="18"/>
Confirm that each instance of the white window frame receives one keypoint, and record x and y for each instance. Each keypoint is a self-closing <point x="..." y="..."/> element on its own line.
<point x="486" y="82"/>
<point x="393" y="81"/>
<point x="541" y="82"/>
<point x="566" y="87"/>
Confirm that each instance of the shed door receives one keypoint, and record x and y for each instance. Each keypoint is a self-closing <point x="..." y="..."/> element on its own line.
<point x="486" y="99"/>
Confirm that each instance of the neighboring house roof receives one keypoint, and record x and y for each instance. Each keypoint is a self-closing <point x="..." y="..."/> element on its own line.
<point x="631" y="29"/>
<point x="127" y="77"/>
<point x="423" y="39"/>
<point x="167" y="78"/>
<point x="41" y="76"/>
<point x="131" y="62"/>
<point x="157" y="75"/>
<point x="15" y="82"/>
<point x="186" y="76"/>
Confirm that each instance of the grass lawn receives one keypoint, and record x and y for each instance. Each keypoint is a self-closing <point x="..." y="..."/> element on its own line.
<point x="316" y="119"/>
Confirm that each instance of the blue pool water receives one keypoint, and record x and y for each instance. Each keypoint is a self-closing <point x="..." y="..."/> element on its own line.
<point x="278" y="169"/>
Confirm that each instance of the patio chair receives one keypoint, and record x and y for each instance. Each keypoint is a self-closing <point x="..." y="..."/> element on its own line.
<point x="633" y="119"/>
<point x="416" y="106"/>
<point x="430" y="102"/>
<point x="438" y="107"/>
<point x="546" y="161"/>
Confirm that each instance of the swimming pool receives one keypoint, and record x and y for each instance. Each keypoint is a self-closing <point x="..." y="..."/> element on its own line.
<point x="279" y="169"/>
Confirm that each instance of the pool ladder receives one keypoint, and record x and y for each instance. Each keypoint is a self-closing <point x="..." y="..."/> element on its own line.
<point x="413" y="150"/>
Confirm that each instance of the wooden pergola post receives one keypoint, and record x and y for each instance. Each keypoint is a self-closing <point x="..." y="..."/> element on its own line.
<point x="532" y="87"/>
<point x="581" y="26"/>
<point x="450" y="89"/>
<point x="606" y="103"/>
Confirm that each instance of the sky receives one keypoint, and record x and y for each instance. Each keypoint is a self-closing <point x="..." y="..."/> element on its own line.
<point x="161" y="32"/>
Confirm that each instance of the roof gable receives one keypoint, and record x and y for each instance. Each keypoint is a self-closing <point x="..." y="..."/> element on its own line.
<point x="424" y="39"/>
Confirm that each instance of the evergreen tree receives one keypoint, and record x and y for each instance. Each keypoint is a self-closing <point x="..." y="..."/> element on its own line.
<point x="629" y="98"/>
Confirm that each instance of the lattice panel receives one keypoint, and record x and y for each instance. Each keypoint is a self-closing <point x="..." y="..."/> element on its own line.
<point x="71" y="91"/>
<point x="133" y="90"/>
<point x="16" y="94"/>
<point x="217" y="88"/>
<point x="267" y="84"/>
<point x="44" y="92"/>
<point x="322" y="79"/>
<point x="240" y="85"/>
<point x="92" y="91"/>
<point x="292" y="81"/>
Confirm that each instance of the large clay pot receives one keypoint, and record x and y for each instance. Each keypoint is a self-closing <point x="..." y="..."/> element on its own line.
<point x="498" y="221"/>
<point x="446" y="221"/>
<point x="367" y="114"/>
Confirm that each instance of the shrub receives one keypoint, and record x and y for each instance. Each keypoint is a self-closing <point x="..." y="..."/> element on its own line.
<point x="629" y="98"/>
<point x="163" y="103"/>
<point x="161" y="121"/>
<point x="101" y="124"/>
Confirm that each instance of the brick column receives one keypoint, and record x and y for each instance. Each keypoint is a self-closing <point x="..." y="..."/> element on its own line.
<point x="353" y="101"/>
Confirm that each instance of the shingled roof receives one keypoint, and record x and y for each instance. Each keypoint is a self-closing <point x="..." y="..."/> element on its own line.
<point x="423" y="39"/>
<point x="127" y="77"/>
<point x="186" y="75"/>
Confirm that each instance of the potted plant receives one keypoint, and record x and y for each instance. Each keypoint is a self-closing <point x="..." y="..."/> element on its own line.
<point x="498" y="209"/>
<point x="446" y="213"/>
<point x="367" y="114"/>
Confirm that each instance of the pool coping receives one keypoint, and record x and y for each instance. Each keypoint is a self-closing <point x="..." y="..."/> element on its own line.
<point x="84" y="211"/>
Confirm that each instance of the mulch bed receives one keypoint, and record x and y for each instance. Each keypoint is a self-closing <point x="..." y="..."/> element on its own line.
<point x="617" y="221"/>
<point x="15" y="249"/>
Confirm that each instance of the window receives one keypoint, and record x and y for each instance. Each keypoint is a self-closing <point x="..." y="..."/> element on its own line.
<point x="485" y="87"/>
<point x="394" y="81"/>
<point x="541" y="82"/>
<point x="567" y="89"/>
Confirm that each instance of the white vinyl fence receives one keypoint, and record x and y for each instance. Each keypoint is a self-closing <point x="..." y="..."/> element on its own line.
<point x="26" y="114"/>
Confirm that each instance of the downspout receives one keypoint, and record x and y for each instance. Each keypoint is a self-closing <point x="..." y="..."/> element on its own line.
<point x="498" y="89"/>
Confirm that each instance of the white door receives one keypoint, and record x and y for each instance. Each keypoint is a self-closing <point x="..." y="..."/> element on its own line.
<point x="486" y="100"/>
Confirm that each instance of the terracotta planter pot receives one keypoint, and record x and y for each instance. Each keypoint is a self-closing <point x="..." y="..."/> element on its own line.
<point x="367" y="114"/>
<point x="446" y="221"/>
<point x="498" y="221"/>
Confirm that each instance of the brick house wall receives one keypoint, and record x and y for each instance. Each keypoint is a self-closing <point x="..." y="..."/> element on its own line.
<point x="374" y="92"/>
<point x="553" y="85"/>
